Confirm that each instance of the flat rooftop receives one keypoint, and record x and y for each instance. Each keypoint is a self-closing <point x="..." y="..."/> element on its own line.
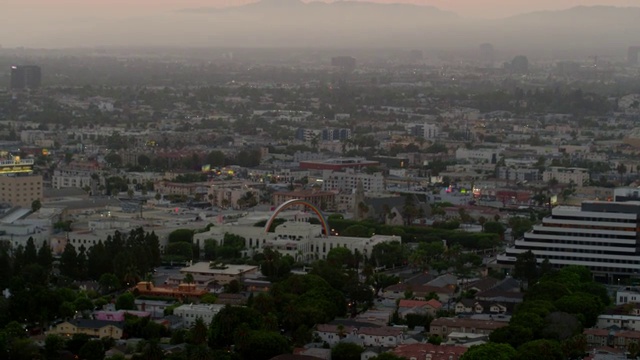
<point x="205" y="268"/>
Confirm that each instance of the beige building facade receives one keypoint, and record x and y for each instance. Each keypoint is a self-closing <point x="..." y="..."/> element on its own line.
<point x="20" y="190"/>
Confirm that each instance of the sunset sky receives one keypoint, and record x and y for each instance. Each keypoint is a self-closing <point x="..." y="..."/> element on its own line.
<point x="470" y="8"/>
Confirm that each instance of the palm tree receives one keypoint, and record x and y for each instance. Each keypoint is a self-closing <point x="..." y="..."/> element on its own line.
<point x="131" y="275"/>
<point x="341" y="331"/>
<point x="188" y="279"/>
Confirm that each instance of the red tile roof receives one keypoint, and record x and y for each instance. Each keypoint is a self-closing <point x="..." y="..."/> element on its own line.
<point x="596" y="332"/>
<point x="382" y="331"/>
<point x="433" y="303"/>
<point x="438" y="352"/>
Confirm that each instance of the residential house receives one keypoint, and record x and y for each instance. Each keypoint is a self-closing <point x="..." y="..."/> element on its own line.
<point x="471" y="306"/>
<point x="93" y="328"/>
<point x="444" y="326"/>
<point x="386" y="336"/>
<point x="596" y="337"/>
<point x="398" y="291"/>
<point x="419" y="307"/>
<point x="331" y="334"/>
<point x="383" y="336"/>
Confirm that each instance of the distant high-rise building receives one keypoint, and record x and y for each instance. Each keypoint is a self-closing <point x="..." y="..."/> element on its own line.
<point x="416" y="55"/>
<point x="427" y="131"/>
<point x="487" y="54"/>
<point x="336" y="134"/>
<point x="25" y="77"/>
<point x="632" y="56"/>
<point x="519" y="65"/>
<point x="344" y="62"/>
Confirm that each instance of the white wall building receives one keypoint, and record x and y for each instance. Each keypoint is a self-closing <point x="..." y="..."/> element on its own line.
<point x="189" y="313"/>
<point x="564" y="175"/>
<point x="478" y="155"/>
<point x="348" y="180"/>
<point x="70" y="179"/>
<point x="302" y="240"/>
<point x="382" y="336"/>
<point x="626" y="322"/>
<point x="628" y="296"/>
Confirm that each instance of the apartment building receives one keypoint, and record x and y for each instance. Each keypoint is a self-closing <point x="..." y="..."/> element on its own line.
<point x="348" y="180"/>
<point x="189" y="313"/>
<point x="564" y="175"/>
<point x="20" y="190"/>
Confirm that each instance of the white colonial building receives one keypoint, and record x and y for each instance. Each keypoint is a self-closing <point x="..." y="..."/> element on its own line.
<point x="302" y="240"/>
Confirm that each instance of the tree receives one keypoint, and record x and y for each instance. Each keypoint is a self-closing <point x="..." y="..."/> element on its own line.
<point x="30" y="255"/>
<point x="340" y="257"/>
<point x="113" y="159"/>
<point x="227" y="321"/>
<point x="622" y="170"/>
<point x="519" y="226"/>
<point x="188" y="279"/>
<point x="109" y="282"/>
<point x="263" y="345"/>
<point x="69" y="262"/>
<point x="198" y="333"/>
<point x="144" y="160"/>
<point x="494" y="227"/>
<point x="526" y="267"/>
<point x="208" y="298"/>
<point x="36" y="205"/>
<point x="540" y="349"/>
<point x="181" y="235"/>
<point x="426" y="253"/>
<point x="346" y="351"/>
<point x="45" y="258"/>
<point x="152" y="351"/>
<point x="514" y="335"/>
<point x="274" y="265"/>
<point x="183" y="250"/>
<point x="489" y="351"/>
<point x="215" y="158"/>
<point x="24" y="349"/>
<point x="92" y="350"/>
<point x="52" y="345"/>
<point x="579" y="303"/>
<point x="126" y="301"/>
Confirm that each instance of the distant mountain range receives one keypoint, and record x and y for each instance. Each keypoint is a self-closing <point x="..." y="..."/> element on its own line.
<point x="371" y="24"/>
<point x="292" y="23"/>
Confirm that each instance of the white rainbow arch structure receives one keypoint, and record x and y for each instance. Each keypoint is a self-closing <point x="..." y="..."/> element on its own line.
<point x="294" y="202"/>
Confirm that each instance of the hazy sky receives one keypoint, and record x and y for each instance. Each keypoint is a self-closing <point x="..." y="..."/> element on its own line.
<point x="470" y="8"/>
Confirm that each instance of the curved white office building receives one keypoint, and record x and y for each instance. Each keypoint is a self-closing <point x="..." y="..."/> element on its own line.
<point x="604" y="236"/>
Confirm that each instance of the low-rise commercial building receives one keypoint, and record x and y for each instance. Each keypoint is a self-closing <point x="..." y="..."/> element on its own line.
<point x="222" y="274"/>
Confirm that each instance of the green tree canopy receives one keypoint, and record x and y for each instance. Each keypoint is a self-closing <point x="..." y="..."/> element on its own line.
<point x="346" y="351"/>
<point x="490" y="351"/>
